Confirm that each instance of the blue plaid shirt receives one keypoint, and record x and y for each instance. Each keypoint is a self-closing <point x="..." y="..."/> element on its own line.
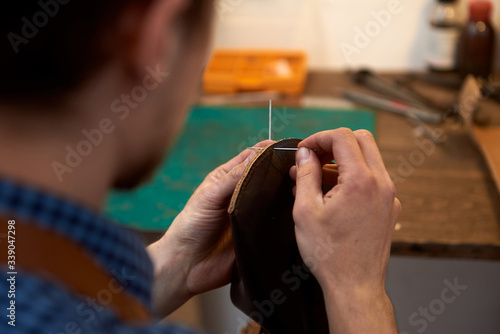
<point x="43" y="306"/>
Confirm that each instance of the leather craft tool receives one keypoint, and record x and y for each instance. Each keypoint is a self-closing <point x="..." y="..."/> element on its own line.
<point x="392" y="90"/>
<point x="279" y="148"/>
<point x="395" y="106"/>
<point x="399" y="100"/>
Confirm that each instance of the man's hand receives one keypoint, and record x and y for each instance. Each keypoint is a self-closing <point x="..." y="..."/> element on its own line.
<point x="196" y="254"/>
<point x="346" y="234"/>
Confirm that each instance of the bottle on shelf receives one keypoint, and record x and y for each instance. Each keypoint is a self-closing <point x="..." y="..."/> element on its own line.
<point x="476" y="43"/>
<point x="444" y="33"/>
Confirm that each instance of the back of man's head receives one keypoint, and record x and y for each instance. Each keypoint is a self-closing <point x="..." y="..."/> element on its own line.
<point x="49" y="46"/>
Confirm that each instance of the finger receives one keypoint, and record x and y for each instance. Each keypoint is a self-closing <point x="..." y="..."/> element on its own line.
<point x="370" y="151"/>
<point x="227" y="176"/>
<point x="264" y="143"/>
<point x="293" y="172"/>
<point x="228" y="182"/>
<point x="325" y="157"/>
<point x="330" y="174"/>
<point x="247" y="154"/>
<point x="343" y="143"/>
<point x="309" y="178"/>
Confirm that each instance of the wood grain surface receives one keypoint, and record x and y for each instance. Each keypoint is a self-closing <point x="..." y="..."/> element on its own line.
<point x="451" y="207"/>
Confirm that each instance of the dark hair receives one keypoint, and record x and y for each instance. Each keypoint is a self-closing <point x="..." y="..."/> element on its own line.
<point x="51" y="46"/>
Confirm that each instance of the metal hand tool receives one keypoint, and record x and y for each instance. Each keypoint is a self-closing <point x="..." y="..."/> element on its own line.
<point x="391" y="89"/>
<point x="397" y="107"/>
<point x="280" y="148"/>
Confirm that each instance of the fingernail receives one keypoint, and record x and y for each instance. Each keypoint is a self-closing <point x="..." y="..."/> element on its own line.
<point x="302" y="156"/>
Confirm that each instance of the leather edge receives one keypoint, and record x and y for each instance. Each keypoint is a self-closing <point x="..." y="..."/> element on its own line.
<point x="254" y="161"/>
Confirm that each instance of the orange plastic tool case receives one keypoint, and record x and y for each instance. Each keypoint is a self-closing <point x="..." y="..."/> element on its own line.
<point x="232" y="71"/>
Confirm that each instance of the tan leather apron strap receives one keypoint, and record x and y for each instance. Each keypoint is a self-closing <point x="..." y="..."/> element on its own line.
<point x="48" y="254"/>
<point x="252" y="328"/>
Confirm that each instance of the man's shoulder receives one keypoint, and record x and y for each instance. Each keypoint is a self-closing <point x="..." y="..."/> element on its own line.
<point x="39" y="305"/>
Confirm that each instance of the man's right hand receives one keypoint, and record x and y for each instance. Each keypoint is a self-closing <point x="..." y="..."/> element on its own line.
<point x="345" y="236"/>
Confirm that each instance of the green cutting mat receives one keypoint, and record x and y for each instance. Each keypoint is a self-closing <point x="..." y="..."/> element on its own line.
<point x="211" y="137"/>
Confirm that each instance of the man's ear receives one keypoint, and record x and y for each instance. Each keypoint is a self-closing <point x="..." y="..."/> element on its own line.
<point x="146" y="30"/>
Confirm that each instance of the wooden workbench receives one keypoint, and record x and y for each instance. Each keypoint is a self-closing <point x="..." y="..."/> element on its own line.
<point x="451" y="207"/>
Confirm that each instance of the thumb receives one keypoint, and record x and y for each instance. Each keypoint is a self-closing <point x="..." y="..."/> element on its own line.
<point x="227" y="179"/>
<point x="309" y="176"/>
<point x="228" y="183"/>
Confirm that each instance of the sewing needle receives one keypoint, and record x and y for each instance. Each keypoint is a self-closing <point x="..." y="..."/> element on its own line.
<point x="279" y="148"/>
<point x="270" y="136"/>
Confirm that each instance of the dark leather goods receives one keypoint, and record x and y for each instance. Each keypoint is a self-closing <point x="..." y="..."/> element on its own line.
<point x="270" y="283"/>
<point x="52" y="256"/>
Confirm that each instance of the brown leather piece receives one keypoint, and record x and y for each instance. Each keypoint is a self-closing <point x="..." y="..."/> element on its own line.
<point x="252" y="328"/>
<point x="58" y="259"/>
<point x="270" y="283"/>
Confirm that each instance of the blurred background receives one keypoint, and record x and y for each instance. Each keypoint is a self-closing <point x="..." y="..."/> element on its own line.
<point x="441" y="146"/>
<point x="321" y="26"/>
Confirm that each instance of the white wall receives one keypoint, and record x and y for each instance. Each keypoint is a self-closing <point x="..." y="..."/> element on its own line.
<point x="322" y="26"/>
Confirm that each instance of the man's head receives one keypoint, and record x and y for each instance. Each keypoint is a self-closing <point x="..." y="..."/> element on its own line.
<point x="70" y="66"/>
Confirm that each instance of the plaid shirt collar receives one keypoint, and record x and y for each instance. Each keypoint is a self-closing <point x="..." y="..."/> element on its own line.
<point x="112" y="247"/>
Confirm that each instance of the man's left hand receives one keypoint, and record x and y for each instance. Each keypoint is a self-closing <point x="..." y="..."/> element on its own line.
<point x="196" y="254"/>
